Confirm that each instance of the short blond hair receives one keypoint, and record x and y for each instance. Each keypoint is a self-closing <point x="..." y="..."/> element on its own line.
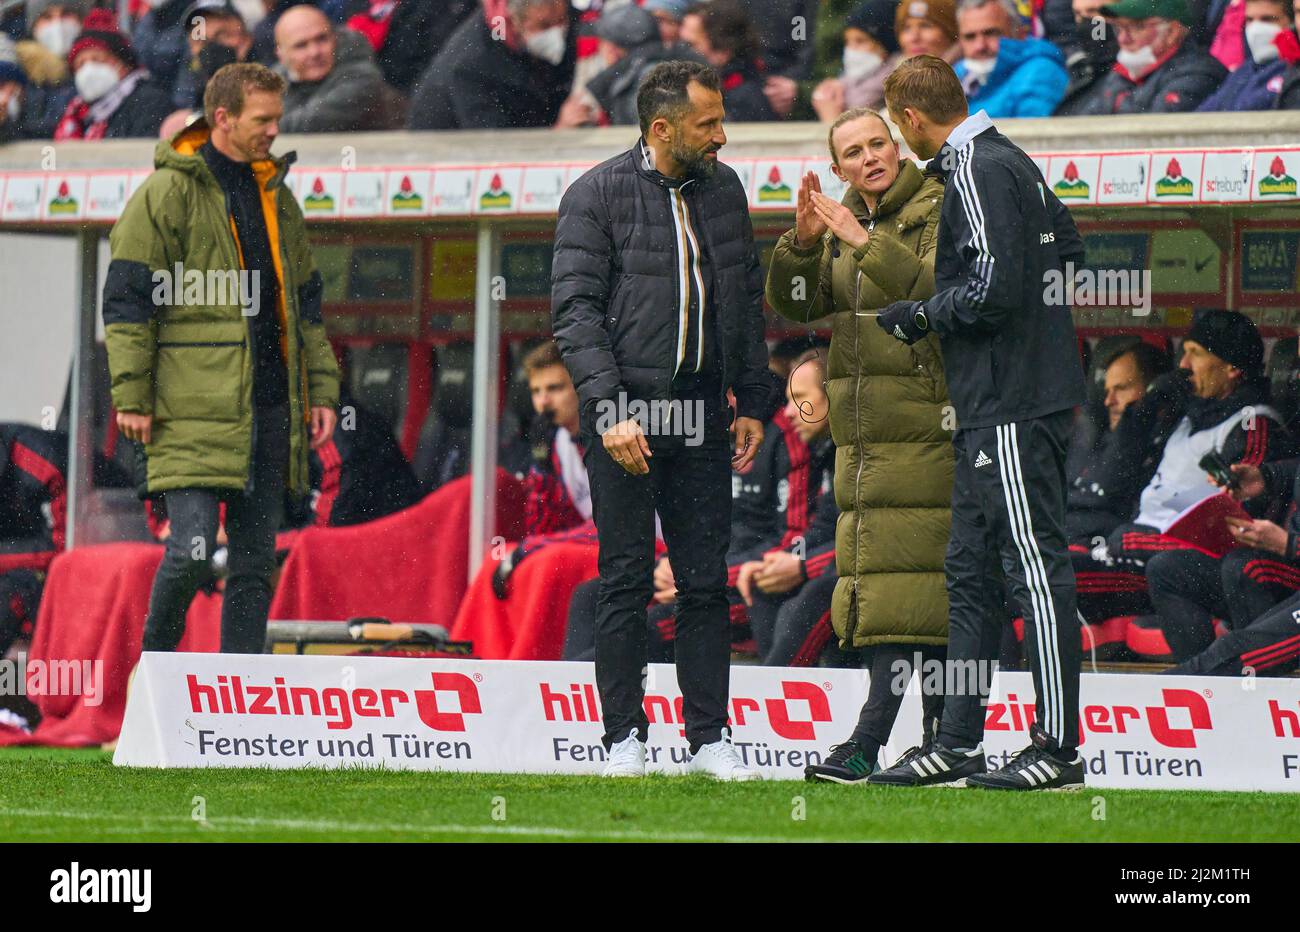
<point x="927" y="85"/>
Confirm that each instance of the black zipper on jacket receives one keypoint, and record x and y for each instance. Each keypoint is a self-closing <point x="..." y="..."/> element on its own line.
<point x="248" y="340"/>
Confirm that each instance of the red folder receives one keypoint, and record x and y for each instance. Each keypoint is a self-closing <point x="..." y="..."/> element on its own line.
<point x="1204" y="524"/>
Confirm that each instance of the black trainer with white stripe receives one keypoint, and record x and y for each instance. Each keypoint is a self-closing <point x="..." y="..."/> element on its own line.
<point x="1033" y="769"/>
<point x="932" y="764"/>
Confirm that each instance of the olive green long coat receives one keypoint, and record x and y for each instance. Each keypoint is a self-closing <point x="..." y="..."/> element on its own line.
<point x="189" y="363"/>
<point x="890" y="417"/>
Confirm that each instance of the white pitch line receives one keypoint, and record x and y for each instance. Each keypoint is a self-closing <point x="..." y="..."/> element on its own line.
<point x="249" y="823"/>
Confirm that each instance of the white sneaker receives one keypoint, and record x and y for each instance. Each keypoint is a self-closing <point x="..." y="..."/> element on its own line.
<point x="721" y="761"/>
<point x="627" y="758"/>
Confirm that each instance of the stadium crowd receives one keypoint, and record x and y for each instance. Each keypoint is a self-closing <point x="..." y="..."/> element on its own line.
<point x="70" y="70"/>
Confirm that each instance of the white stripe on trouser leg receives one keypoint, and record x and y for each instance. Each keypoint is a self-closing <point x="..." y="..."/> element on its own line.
<point x="1049" y="660"/>
<point x="1040" y="596"/>
<point x="1052" y="648"/>
<point x="1014" y="521"/>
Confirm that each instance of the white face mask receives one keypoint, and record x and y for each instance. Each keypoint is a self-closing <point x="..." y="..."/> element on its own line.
<point x="1138" y="62"/>
<point x="57" y="35"/>
<point x="12" y="108"/>
<point x="1259" y="36"/>
<point x="980" y="68"/>
<point x="548" y="45"/>
<point x="94" y="79"/>
<point x="861" y="63"/>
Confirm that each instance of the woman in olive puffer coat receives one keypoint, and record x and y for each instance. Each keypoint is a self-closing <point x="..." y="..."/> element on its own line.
<point x="890" y="416"/>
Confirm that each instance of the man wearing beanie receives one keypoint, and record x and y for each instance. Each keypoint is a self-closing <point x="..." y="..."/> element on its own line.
<point x="1226" y="411"/>
<point x="115" y="98"/>
<point x="871" y="54"/>
<point x="1160" y="68"/>
<point x="928" y="27"/>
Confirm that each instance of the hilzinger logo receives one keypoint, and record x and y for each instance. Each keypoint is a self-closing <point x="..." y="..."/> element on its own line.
<point x="338" y="706"/>
<point x="1013" y="715"/>
<point x="103" y="885"/>
<point x="578" y="702"/>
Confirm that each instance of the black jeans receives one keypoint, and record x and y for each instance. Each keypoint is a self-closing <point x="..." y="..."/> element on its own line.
<point x="252" y="519"/>
<point x="892" y="666"/>
<point x="690" y="488"/>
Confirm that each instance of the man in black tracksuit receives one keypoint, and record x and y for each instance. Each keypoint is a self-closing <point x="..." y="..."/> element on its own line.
<point x="1014" y="376"/>
<point x="1259" y="582"/>
<point x="657" y="309"/>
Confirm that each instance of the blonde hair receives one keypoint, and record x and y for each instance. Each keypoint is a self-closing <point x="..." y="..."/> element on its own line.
<point x="847" y="116"/>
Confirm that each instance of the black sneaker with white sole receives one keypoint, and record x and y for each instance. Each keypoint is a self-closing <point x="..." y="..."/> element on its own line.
<point x="1033" y="769"/>
<point x="932" y="764"/>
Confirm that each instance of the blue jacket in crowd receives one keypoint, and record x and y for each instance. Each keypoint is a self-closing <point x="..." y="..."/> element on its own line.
<point x="1250" y="87"/>
<point x="1028" y="81"/>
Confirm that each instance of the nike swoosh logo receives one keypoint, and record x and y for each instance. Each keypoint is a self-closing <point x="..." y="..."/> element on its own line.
<point x="1203" y="263"/>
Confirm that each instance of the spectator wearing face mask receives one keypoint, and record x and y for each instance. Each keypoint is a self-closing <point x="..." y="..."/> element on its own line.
<point x="159" y="40"/>
<point x="115" y="97"/>
<point x="1002" y="72"/>
<point x="1270" y="37"/>
<point x="1089" y="55"/>
<point x="871" y="53"/>
<point x="43" y="57"/>
<point x="1158" y="68"/>
<point x="510" y="67"/>
<point x="630" y="47"/>
<point x="217" y="36"/>
<point x="334" y="86"/>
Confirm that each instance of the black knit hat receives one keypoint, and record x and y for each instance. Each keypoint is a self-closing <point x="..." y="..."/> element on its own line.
<point x="876" y="19"/>
<point x="1232" y="337"/>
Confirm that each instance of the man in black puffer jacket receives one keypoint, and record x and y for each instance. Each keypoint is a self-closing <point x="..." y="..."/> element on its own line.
<point x="657" y="307"/>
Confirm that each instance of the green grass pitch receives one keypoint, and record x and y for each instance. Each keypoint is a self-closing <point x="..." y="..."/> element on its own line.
<point x="73" y="796"/>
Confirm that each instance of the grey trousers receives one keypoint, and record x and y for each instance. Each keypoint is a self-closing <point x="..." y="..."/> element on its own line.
<point x="252" y="518"/>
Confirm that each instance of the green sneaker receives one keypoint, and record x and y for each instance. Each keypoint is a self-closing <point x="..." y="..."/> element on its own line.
<point x="845" y="764"/>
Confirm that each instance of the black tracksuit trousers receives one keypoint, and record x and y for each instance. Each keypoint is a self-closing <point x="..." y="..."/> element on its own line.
<point x="1268" y="646"/>
<point x="1190" y="589"/>
<point x="1008" y="503"/>
<point x="690" y="488"/>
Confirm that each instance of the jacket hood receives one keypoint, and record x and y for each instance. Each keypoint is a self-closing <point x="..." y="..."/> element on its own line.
<point x="1012" y="53"/>
<point x="41" y="65"/>
<point x="895" y="198"/>
<point x="181" y="153"/>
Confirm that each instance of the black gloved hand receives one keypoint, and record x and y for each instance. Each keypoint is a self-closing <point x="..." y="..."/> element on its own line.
<point x="899" y="321"/>
<point x="541" y="440"/>
<point x="501" y="575"/>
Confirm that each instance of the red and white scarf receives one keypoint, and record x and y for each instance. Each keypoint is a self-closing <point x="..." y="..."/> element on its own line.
<point x="83" y="120"/>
